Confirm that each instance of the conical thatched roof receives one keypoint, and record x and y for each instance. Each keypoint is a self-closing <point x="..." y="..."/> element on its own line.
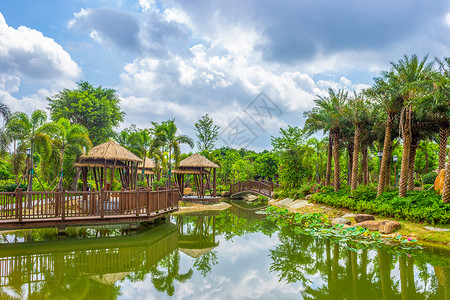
<point x="194" y="253"/>
<point x="198" y="161"/>
<point x="149" y="164"/>
<point x="90" y="162"/>
<point x="111" y="151"/>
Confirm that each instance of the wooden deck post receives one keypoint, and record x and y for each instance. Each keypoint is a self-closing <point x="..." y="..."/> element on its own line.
<point x="62" y="200"/>
<point x="149" y="195"/>
<point x="214" y="183"/>
<point x="19" y="210"/>
<point x="102" y="203"/>
<point x="138" y="198"/>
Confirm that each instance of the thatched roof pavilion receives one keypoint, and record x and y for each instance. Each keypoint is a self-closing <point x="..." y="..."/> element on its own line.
<point x="149" y="170"/>
<point x="109" y="155"/>
<point x="201" y="168"/>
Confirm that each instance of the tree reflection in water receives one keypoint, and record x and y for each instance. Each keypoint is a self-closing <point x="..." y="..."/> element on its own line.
<point x="329" y="270"/>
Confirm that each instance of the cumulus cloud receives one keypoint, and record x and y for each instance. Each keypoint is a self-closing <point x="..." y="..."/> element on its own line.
<point x="107" y="24"/>
<point x="25" y="51"/>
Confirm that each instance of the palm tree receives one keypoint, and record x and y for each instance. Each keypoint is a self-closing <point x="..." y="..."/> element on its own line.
<point x="358" y="110"/>
<point x="68" y="137"/>
<point x="31" y="133"/>
<point x="166" y="134"/>
<point x="439" y="106"/>
<point x="411" y="78"/>
<point x="384" y="94"/>
<point x="328" y="115"/>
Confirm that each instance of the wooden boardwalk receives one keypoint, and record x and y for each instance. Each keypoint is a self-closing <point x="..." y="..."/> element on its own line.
<point x="67" y="208"/>
<point x="263" y="188"/>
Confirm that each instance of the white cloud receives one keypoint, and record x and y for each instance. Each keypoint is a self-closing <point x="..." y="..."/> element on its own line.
<point x="447" y="19"/>
<point x="25" y="51"/>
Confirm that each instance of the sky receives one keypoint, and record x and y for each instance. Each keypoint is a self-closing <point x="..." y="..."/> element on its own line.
<point x="253" y="66"/>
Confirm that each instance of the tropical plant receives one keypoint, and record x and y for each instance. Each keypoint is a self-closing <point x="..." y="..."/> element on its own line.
<point x="207" y="133"/>
<point x="72" y="138"/>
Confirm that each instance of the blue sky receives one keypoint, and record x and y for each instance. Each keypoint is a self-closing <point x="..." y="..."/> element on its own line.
<point x="182" y="59"/>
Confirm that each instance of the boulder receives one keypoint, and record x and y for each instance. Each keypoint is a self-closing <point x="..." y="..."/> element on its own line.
<point x="363" y="217"/>
<point x="308" y="196"/>
<point x="349" y="216"/>
<point x="371" y="225"/>
<point x="342" y="221"/>
<point x="389" y="227"/>
<point x="439" y="182"/>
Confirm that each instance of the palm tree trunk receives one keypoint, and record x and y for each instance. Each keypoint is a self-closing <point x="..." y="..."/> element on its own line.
<point x="61" y="170"/>
<point x="329" y="158"/>
<point x="443" y="136"/>
<point x="365" y="165"/>
<point x="387" y="183"/>
<point x="403" y="277"/>
<point x="337" y="167"/>
<point x="350" y="163"/>
<point x="412" y="162"/>
<point x="355" y="157"/>
<point x="406" y="148"/>
<point x="386" y="158"/>
<point x="355" y="282"/>
<point x="446" y="189"/>
<point x="385" y="273"/>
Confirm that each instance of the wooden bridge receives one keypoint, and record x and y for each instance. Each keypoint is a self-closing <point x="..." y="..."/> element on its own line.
<point x="261" y="187"/>
<point x="71" y="208"/>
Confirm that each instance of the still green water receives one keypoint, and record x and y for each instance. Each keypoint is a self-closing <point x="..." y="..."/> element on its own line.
<point x="234" y="254"/>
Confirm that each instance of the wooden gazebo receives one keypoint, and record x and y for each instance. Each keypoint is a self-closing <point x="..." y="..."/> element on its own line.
<point x="201" y="169"/>
<point x="149" y="170"/>
<point x="112" y="156"/>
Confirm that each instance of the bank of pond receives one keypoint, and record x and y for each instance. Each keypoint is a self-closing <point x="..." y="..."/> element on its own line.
<point x="233" y="254"/>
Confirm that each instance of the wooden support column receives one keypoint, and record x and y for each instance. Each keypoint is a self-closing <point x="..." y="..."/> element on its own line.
<point x="214" y="182"/>
<point x="95" y="177"/>
<point x="112" y="173"/>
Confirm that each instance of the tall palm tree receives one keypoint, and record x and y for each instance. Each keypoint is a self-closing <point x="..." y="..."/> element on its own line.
<point x="67" y="137"/>
<point x="412" y="78"/>
<point x="358" y="109"/>
<point x="31" y="133"/>
<point x="143" y="143"/>
<point x="384" y="94"/>
<point x="439" y="106"/>
<point x="166" y="134"/>
<point x="328" y="115"/>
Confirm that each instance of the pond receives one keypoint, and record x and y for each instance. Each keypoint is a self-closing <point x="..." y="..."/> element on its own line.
<point x="233" y="254"/>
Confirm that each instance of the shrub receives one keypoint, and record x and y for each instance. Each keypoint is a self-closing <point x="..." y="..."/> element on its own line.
<point x="427" y="186"/>
<point x="417" y="183"/>
<point x="429" y="178"/>
<point x="418" y="206"/>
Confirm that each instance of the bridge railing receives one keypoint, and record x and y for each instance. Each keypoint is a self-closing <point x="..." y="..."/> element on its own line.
<point x="262" y="187"/>
<point x="19" y="205"/>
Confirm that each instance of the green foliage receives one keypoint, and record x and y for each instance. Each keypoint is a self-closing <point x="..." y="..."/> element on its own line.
<point x="318" y="225"/>
<point x="95" y="108"/>
<point x="429" y="178"/>
<point x="206" y="132"/>
<point x="418" y="206"/>
<point x="10" y="186"/>
<point x="298" y="193"/>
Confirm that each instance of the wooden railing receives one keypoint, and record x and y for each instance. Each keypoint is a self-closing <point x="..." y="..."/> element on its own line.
<point x="19" y="205"/>
<point x="261" y="187"/>
<point x="84" y="261"/>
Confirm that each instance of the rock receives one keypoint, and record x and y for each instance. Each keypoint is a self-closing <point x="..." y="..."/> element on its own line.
<point x="251" y="197"/>
<point x="363" y="217"/>
<point x="439" y="182"/>
<point x="298" y="204"/>
<point x="389" y="227"/>
<point x="371" y="225"/>
<point x="308" y="196"/>
<point x="340" y="221"/>
<point x="348" y="216"/>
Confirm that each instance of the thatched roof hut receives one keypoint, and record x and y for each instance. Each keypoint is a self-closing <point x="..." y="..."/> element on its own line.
<point x="111" y="151"/>
<point x="197" y="161"/>
<point x="201" y="168"/>
<point x="112" y="156"/>
<point x="149" y="167"/>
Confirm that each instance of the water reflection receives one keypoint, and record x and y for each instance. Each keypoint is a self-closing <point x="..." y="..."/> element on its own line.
<point x="194" y="252"/>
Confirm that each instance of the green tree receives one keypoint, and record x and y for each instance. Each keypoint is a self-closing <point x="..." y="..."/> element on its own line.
<point x="32" y="134"/>
<point x="289" y="147"/>
<point x="95" y="108"/>
<point x="207" y="133"/>
<point x="166" y="134"/>
<point x="72" y="138"/>
<point x="328" y="115"/>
